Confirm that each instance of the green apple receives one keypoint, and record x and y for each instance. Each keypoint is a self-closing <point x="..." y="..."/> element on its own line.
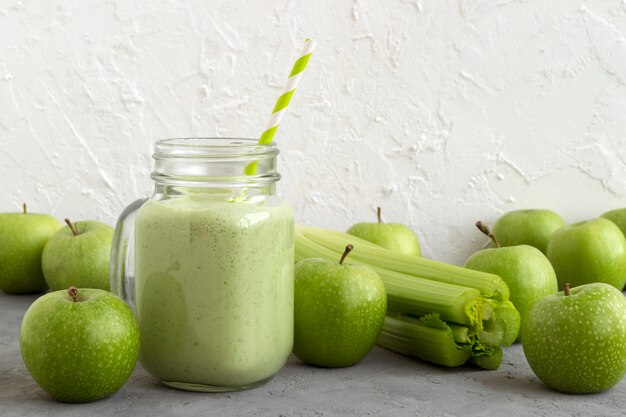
<point x="527" y="227"/>
<point x="526" y="271"/>
<point x="617" y="216"/>
<point x="79" y="345"/>
<point x="393" y="236"/>
<point x="339" y="310"/>
<point x="78" y="255"/>
<point x="589" y="251"/>
<point x="575" y="340"/>
<point x="24" y="236"/>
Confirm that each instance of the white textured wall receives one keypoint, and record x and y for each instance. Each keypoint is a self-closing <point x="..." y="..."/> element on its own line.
<point x="441" y="111"/>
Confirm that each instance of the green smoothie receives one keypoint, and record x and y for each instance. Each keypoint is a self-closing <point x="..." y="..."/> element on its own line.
<point x="214" y="290"/>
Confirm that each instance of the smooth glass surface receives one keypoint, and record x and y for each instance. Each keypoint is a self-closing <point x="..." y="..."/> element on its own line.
<point x="212" y="270"/>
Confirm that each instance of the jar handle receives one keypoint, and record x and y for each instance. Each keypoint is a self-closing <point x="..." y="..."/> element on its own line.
<point x="122" y="268"/>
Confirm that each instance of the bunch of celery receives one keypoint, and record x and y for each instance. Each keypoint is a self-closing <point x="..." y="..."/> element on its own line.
<point x="437" y="312"/>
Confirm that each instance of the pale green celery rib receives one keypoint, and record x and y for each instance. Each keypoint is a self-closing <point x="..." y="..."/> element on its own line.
<point x="489" y="285"/>
<point x="431" y="339"/>
<point x="461" y="334"/>
<point x="410" y="294"/>
<point x="419" y="296"/>
<point x="503" y="327"/>
<point x="413" y="337"/>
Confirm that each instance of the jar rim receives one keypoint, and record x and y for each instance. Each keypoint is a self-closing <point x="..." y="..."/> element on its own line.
<point x="211" y="147"/>
<point x="214" y="160"/>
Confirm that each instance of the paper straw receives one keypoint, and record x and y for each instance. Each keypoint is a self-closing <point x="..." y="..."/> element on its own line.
<point x="283" y="101"/>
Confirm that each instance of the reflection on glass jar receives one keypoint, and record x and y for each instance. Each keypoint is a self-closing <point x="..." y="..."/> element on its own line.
<point x="213" y="267"/>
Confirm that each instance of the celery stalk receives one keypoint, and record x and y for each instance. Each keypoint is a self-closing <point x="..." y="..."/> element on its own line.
<point x="414" y="295"/>
<point x="432" y="340"/>
<point x="419" y="296"/>
<point x="461" y="334"/>
<point x="489" y="285"/>
<point x="478" y="316"/>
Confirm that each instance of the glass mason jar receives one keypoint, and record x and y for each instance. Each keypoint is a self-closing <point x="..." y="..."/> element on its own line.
<point x="207" y="265"/>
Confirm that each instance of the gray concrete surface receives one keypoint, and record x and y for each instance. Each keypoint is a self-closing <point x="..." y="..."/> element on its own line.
<point x="384" y="384"/>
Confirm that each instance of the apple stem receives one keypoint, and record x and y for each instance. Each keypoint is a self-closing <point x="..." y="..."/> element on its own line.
<point x="566" y="289"/>
<point x="24" y="207"/>
<point x="486" y="230"/>
<point x="345" y="253"/>
<point x="73" y="292"/>
<point x="72" y="226"/>
<point x="378" y="210"/>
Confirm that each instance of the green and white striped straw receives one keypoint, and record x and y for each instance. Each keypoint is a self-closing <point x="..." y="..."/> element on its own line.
<point x="285" y="97"/>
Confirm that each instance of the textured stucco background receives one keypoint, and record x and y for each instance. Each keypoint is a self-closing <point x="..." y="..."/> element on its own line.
<point x="442" y="112"/>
